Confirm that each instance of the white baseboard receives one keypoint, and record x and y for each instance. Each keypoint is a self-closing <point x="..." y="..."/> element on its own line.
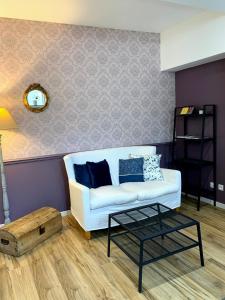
<point x="63" y="214"/>
<point x="208" y="201"/>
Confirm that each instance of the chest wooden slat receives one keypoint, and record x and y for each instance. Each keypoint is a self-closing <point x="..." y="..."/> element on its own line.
<point x="25" y="233"/>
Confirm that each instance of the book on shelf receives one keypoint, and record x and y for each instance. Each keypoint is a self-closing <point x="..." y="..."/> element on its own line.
<point x="187" y="110"/>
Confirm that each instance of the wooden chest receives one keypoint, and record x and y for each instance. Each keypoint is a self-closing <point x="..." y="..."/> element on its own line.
<point x="25" y="233"/>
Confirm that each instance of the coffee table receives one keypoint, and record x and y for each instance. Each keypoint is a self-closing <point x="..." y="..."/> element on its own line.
<point x="152" y="232"/>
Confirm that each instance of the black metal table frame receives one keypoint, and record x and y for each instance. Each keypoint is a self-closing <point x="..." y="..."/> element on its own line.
<point x="162" y="234"/>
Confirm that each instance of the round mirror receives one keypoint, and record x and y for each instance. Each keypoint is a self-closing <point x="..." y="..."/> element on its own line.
<point x="35" y="98"/>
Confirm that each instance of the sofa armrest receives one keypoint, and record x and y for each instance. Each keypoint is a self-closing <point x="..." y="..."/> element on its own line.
<point x="80" y="201"/>
<point x="172" y="176"/>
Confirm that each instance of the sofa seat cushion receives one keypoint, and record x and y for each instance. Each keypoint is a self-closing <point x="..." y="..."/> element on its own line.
<point x="110" y="195"/>
<point x="150" y="189"/>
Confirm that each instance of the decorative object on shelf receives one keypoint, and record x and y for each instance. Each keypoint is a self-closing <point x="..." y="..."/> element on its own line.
<point x="188" y="160"/>
<point x="35" y="98"/>
<point x="6" y="123"/>
<point x="186" y="110"/>
<point x="27" y="232"/>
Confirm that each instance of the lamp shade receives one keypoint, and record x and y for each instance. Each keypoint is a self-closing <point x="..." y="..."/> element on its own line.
<point x="6" y="120"/>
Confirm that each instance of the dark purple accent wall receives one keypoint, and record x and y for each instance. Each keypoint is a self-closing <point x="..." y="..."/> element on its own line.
<point x="34" y="183"/>
<point x="165" y="150"/>
<point x="37" y="182"/>
<point x="205" y="84"/>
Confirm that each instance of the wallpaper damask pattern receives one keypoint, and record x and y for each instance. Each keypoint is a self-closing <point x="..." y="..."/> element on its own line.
<point x="105" y="88"/>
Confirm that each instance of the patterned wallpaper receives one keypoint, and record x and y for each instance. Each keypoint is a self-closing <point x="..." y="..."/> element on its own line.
<point x="105" y="88"/>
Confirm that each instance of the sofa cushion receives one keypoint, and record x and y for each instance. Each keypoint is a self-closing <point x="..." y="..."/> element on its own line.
<point x="151" y="167"/>
<point x="150" y="189"/>
<point x="82" y="175"/>
<point x="112" y="155"/>
<point x="110" y="195"/>
<point x="99" y="173"/>
<point x="131" y="170"/>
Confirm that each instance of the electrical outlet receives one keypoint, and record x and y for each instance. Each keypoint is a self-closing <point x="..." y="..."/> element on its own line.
<point x="211" y="184"/>
<point x="221" y="187"/>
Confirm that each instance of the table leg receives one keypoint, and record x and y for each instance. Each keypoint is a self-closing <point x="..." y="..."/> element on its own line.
<point x="200" y="244"/>
<point x="140" y="268"/>
<point x="109" y="233"/>
<point x="160" y="221"/>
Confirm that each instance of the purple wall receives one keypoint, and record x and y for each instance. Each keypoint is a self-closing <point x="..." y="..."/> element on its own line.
<point x="34" y="183"/>
<point x="38" y="182"/>
<point x="205" y="84"/>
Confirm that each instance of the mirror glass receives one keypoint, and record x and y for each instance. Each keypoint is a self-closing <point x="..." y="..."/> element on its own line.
<point x="36" y="98"/>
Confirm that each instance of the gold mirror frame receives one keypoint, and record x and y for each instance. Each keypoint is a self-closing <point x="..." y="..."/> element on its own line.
<point x="35" y="86"/>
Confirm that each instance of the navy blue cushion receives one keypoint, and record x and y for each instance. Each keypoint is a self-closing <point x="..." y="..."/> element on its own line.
<point x="99" y="173"/>
<point x="131" y="170"/>
<point x="82" y="175"/>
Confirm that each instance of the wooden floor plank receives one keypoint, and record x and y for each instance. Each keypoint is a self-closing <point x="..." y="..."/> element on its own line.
<point x="23" y="286"/>
<point x="5" y="284"/>
<point x="69" y="267"/>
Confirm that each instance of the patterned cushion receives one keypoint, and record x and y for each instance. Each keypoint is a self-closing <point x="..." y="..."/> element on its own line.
<point x="131" y="170"/>
<point x="151" y="166"/>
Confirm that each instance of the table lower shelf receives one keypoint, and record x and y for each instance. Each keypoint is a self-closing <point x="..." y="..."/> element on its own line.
<point x="155" y="248"/>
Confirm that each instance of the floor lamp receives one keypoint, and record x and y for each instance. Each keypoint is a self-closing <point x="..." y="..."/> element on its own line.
<point x="6" y="123"/>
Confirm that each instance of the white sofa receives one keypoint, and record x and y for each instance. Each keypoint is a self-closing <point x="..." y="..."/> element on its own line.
<point x="91" y="207"/>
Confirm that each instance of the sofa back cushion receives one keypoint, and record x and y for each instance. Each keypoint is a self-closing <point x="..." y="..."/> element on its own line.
<point x="131" y="170"/>
<point x="112" y="155"/>
<point x="99" y="173"/>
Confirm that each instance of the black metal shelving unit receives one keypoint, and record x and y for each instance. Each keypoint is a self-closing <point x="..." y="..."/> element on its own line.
<point x="186" y="162"/>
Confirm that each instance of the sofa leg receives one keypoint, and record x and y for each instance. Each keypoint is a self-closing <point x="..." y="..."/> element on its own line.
<point x="86" y="234"/>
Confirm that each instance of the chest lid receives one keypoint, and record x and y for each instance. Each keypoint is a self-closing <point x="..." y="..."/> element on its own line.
<point x="30" y="222"/>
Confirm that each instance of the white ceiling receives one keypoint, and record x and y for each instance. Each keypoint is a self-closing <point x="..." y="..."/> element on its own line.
<point x="213" y="5"/>
<point x="141" y="15"/>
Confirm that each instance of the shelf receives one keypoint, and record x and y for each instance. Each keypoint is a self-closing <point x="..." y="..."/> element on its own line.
<point x="194" y="162"/>
<point x="155" y="248"/>
<point x="144" y="222"/>
<point x="202" y="145"/>
<point x="195" y="115"/>
<point x="193" y="190"/>
<point x="194" y="138"/>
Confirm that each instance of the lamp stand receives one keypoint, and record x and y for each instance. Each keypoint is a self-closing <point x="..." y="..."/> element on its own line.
<point x="4" y="187"/>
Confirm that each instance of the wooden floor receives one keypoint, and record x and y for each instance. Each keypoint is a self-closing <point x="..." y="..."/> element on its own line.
<point x="69" y="267"/>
